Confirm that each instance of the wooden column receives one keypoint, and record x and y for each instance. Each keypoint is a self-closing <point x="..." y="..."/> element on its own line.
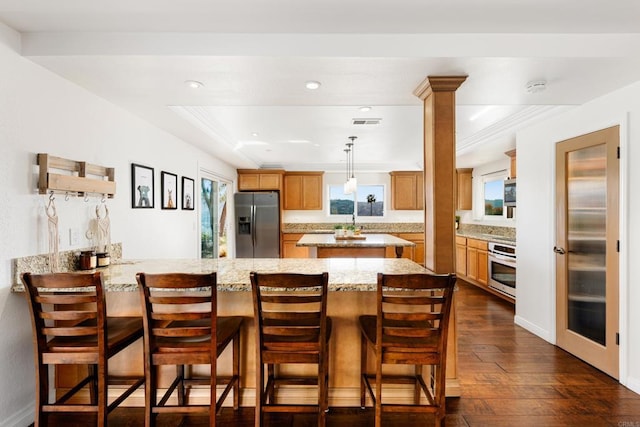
<point x="438" y="96"/>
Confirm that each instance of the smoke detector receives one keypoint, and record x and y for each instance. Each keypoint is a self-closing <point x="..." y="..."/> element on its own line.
<point x="535" y="86"/>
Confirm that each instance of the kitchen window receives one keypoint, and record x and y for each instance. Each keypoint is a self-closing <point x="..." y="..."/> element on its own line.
<point x="369" y="200"/>
<point x="493" y="195"/>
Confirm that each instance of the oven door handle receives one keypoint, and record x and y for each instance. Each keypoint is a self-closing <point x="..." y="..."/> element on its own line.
<point x="502" y="257"/>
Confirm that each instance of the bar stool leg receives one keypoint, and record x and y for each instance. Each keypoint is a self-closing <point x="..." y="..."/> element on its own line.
<point x="236" y="372"/>
<point x="363" y="369"/>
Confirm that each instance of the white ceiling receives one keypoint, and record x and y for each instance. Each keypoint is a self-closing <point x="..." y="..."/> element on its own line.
<point x="254" y="56"/>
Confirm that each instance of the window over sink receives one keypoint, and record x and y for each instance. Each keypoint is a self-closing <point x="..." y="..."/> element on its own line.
<point x="367" y="201"/>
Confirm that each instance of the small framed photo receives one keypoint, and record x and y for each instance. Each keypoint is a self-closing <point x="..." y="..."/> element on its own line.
<point x="188" y="188"/>
<point x="169" y="187"/>
<point x="142" y="189"/>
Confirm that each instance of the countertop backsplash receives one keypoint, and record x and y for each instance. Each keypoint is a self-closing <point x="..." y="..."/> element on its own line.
<point x="39" y="264"/>
<point x="471" y="230"/>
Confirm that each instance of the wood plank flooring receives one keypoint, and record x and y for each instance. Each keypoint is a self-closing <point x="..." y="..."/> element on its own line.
<point x="509" y="377"/>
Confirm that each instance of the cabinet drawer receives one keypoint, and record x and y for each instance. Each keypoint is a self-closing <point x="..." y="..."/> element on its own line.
<point x="461" y="241"/>
<point x="478" y="244"/>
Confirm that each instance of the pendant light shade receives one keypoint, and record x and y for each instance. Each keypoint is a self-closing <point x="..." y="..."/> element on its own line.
<point x="351" y="184"/>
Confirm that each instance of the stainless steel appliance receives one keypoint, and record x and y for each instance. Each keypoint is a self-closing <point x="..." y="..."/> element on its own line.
<point x="257" y="217"/>
<point x="502" y="268"/>
<point x="510" y="192"/>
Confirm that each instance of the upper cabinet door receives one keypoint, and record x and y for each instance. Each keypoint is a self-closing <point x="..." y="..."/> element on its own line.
<point x="464" y="199"/>
<point x="407" y="190"/>
<point x="260" y="180"/>
<point x="303" y="191"/>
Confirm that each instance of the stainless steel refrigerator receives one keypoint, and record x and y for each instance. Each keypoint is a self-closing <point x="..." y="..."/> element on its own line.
<point x="257" y="218"/>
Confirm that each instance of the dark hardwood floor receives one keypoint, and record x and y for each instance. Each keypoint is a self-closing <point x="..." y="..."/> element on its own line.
<point x="509" y="377"/>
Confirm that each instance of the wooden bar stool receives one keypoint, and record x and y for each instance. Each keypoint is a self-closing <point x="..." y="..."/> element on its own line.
<point x="291" y="327"/>
<point x="72" y="328"/>
<point x="411" y="328"/>
<point x="182" y="328"/>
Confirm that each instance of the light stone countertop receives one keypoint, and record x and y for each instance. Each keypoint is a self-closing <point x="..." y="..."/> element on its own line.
<point x="366" y="227"/>
<point x="369" y="241"/>
<point x="488" y="237"/>
<point x="345" y="274"/>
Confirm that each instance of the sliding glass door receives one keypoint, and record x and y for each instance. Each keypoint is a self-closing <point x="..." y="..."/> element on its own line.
<point x="213" y="216"/>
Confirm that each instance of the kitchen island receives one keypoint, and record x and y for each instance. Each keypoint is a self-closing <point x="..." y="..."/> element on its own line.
<point x="358" y="246"/>
<point x="351" y="284"/>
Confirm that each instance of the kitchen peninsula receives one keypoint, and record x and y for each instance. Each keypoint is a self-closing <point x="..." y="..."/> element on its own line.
<point x="351" y="285"/>
<point x="360" y="246"/>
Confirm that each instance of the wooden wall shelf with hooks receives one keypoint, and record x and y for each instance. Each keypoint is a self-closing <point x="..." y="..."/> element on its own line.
<point x="84" y="178"/>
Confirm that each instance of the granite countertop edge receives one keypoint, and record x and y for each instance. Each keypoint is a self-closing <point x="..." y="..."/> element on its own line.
<point x="363" y="231"/>
<point x="487" y="237"/>
<point x="348" y="274"/>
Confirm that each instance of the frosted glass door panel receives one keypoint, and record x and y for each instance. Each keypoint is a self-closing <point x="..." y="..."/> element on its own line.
<point x="586" y="238"/>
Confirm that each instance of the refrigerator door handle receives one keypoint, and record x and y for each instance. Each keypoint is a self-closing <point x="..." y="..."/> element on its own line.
<point x="253" y="225"/>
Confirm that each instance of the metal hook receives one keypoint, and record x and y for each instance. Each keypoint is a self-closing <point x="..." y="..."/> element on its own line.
<point x="86" y="197"/>
<point x="66" y="196"/>
<point x="50" y="209"/>
<point x="104" y="199"/>
<point x="51" y="196"/>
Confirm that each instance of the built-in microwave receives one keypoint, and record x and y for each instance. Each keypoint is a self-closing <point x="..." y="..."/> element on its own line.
<point x="510" y="192"/>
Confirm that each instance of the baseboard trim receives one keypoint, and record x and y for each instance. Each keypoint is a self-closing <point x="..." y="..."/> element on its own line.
<point x="633" y="384"/>
<point x="534" y="329"/>
<point x="22" y="418"/>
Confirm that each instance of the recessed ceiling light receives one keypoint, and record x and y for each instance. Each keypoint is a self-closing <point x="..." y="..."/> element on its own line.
<point x="254" y="134"/>
<point x="312" y="85"/>
<point x="299" y="141"/>
<point x="365" y="109"/>
<point x="193" y="84"/>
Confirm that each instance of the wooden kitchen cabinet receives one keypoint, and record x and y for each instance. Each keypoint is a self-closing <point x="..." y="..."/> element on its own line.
<point x="512" y="163"/>
<point x="417" y="252"/>
<point x="461" y="256"/>
<point x="407" y="190"/>
<point x="289" y="248"/>
<point x="303" y="191"/>
<point x="477" y="261"/>
<point x="414" y="253"/>
<point x="260" y="179"/>
<point x="464" y="188"/>
<point x="472" y="264"/>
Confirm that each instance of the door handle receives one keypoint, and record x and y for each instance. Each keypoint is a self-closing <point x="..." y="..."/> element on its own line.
<point x="558" y="250"/>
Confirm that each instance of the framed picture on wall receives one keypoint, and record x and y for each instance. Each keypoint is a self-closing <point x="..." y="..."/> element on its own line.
<point x="169" y="190"/>
<point x="188" y="188"/>
<point x="142" y="190"/>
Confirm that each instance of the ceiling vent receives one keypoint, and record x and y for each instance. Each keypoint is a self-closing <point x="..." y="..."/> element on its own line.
<point x="365" y="121"/>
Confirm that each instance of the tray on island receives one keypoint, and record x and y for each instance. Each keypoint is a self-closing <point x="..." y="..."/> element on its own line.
<point x="356" y="237"/>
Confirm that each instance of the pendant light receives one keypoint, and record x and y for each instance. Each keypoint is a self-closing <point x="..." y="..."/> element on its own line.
<point x="348" y="163"/>
<point x="351" y="184"/>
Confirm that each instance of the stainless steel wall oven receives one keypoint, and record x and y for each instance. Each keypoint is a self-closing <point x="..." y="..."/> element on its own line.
<point x="502" y="268"/>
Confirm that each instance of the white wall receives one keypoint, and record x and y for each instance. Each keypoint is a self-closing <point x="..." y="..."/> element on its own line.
<point x="338" y="178"/>
<point x="535" y="309"/>
<point x="41" y="112"/>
